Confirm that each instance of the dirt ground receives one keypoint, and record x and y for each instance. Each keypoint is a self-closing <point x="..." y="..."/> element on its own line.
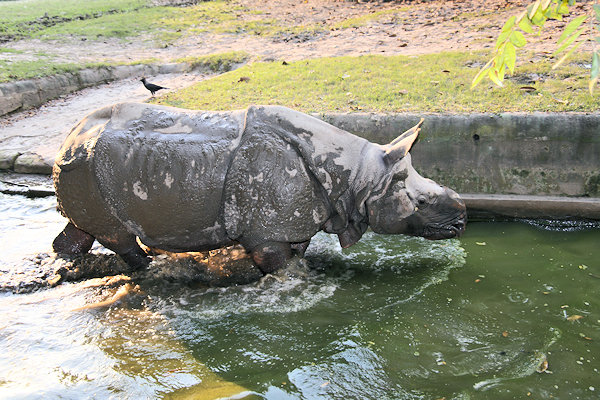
<point x="422" y="27"/>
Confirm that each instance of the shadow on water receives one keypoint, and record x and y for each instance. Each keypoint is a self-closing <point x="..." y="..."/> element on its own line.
<point x="507" y="310"/>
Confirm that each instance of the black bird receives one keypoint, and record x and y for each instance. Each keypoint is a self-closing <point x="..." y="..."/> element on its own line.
<point x="152" y="87"/>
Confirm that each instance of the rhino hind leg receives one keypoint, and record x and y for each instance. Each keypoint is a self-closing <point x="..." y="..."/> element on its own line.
<point x="125" y="245"/>
<point x="271" y="256"/>
<point x="73" y="241"/>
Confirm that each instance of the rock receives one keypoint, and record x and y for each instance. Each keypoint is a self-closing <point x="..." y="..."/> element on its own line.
<point x="32" y="163"/>
<point x="7" y="159"/>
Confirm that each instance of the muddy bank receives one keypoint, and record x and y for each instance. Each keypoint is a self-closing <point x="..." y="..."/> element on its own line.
<point x="217" y="268"/>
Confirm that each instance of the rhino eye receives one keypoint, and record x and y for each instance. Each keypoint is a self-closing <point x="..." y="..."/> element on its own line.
<point x="422" y="200"/>
<point x="399" y="184"/>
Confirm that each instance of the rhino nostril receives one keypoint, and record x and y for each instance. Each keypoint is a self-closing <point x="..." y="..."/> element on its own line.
<point x="459" y="226"/>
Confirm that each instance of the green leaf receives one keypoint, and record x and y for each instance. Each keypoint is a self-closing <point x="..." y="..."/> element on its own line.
<point x="481" y="74"/>
<point x="510" y="57"/>
<point x="571" y="27"/>
<point x="568" y="42"/>
<point x="509" y="24"/>
<point x="525" y="25"/>
<point x="563" y="58"/>
<point x="532" y="9"/>
<point x="552" y="14"/>
<point x="595" y="65"/>
<point x="538" y="18"/>
<point x="597" y="9"/>
<point x="500" y="71"/>
<point x="518" y="39"/>
<point x="563" y="8"/>
<point x="494" y="77"/>
<point x="545" y="4"/>
<point x="499" y="58"/>
<point x="592" y="84"/>
<point x="502" y="38"/>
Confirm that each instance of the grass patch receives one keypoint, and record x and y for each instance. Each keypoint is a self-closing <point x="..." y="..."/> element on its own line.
<point x="166" y="24"/>
<point x="361" y="20"/>
<point x="120" y="25"/>
<point x="44" y="66"/>
<point x="18" y="70"/>
<point x="216" y="62"/>
<point x="21" y="18"/>
<point x="97" y="19"/>
<point x="10" y="51"/>
<point x="428" y="83"/>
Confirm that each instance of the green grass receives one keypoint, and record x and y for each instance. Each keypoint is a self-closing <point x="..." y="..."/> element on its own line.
<point x="18" y="70"/>
<point x="44" y="66"/>
<point x="216" y="62"/>
<point x="135" y="17"/>
<point x="11" y="51"/>
<point x="429" y="83"/>
<point x="18" y="18"/>
<point x="120" y="25"/>
<point x="356" y="22"/>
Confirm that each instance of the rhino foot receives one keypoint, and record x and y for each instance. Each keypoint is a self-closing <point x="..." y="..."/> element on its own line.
<point x="271" y="256"/>
<point x="72" y="241"/>
<point x="136" y="259"/>
<point x="300" y="248"/>
<point x="125" y="245"/>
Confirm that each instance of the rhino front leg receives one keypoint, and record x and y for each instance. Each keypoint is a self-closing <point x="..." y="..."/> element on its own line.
<point x="271" y="256"/>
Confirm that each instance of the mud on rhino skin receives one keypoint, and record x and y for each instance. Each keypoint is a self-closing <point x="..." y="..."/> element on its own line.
<point x="267" y="177"/>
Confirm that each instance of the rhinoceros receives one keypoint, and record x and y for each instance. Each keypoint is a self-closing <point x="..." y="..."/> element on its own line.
<point x="268" y="178"/>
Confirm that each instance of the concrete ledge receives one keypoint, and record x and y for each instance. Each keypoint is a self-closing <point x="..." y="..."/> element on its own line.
<point x="487" y="206"/>
<point x="539" y="153"/>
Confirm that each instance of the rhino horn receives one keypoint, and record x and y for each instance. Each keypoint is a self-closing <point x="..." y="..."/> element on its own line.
<point x="400" y="146"/>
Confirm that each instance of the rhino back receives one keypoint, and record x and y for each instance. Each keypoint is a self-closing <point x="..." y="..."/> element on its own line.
<point x="161" y="173"/>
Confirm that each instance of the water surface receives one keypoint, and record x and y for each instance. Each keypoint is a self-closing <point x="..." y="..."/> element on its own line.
<point x="510" y="310"/>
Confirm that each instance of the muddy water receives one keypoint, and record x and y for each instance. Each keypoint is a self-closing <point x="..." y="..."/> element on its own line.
<point x="511" y="310"/>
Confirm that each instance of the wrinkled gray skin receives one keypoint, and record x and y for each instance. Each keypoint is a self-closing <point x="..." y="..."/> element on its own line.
<point x="267" y="177"/>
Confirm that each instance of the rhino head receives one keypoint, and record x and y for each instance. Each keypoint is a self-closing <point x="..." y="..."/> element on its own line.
<point x="405" y="202"/>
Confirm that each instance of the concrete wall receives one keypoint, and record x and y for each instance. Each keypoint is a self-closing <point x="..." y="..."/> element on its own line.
<point x="509" y="153"/>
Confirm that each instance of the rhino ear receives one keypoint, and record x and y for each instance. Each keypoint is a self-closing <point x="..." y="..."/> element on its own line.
<point x="400" y="146"/>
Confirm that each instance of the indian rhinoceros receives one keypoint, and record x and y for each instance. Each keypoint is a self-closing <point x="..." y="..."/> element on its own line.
<point x="267" y="177"/>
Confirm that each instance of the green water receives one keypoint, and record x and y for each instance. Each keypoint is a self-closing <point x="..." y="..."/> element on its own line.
<point x="390" y="318"/>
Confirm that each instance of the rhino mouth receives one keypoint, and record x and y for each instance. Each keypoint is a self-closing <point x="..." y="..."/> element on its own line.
<point x="448" y="230"/>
